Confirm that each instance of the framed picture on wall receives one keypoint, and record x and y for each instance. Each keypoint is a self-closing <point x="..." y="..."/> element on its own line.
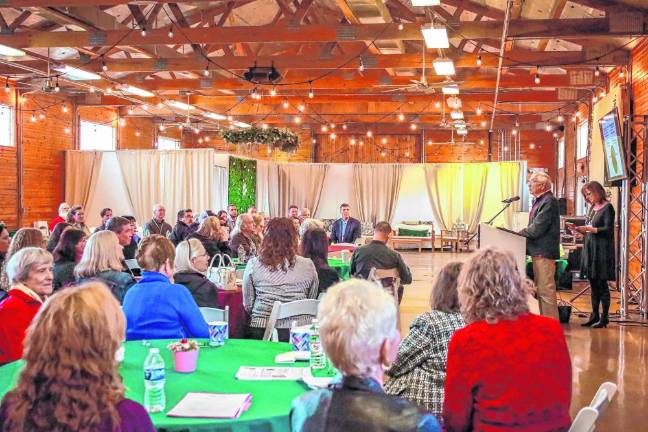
<point x="613" y="150"/>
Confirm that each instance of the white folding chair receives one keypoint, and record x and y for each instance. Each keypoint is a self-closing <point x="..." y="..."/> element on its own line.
<point x="215" y="314"/>
<point x="288" y="310"/>
<point x="584" y="420"/>
<point x="392" y="274"/>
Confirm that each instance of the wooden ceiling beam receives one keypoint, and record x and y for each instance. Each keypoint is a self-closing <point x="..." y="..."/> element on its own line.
<point x="105" y="3"/>
<point x="519" y="29"/>
<point x="19" y="20"/>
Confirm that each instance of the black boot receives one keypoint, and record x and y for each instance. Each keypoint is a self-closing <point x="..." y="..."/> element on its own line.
<point x="605" y="302"/>
<point x="594" y="316"/>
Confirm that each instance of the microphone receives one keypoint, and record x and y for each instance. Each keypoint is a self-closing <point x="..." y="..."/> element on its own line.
<point x="510" y="200"/>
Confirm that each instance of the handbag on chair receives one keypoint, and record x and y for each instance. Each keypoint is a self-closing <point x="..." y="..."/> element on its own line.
<point x="223" y="275"/>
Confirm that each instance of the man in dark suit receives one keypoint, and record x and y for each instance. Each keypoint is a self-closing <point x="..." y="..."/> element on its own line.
<point x="346" y="229"/>
<point x="377" y="254"/>
<point x="543" y="241"/>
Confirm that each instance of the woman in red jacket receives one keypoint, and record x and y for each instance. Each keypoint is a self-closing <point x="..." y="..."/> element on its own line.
<point x="507" y="369"/>
<point x="30" y="276"/>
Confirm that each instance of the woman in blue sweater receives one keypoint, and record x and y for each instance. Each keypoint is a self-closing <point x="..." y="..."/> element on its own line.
<point x="155" y="307"/>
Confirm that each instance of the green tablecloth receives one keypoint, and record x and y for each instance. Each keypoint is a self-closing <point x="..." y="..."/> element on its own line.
<point x="271" y="400"/>
<point x="343" y="268"/>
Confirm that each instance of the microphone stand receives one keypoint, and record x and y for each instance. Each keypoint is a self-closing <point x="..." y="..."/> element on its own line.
<point x="490" y="222"/>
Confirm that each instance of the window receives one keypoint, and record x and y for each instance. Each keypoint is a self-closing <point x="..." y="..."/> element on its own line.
<point x="6" y="126"/>
<point x="581" y="204"/>
<point x="581" y="139"/>
<point x="164" y="143"/>
<point x="561" y="153"/>
<point x="94" y="136"/>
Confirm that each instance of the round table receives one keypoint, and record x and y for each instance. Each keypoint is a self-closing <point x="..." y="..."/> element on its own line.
<point x="271" y="400"/>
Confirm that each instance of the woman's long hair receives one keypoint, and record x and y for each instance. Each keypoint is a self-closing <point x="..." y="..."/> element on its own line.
<point x="102" y="253"/>
<point x="70" y="380"/>
<point x="314" y="245"/>
<point x="65" y="250"/>
<point x="210" y="228"/>
<point x="56" y="235"/>
<point x="279" y="246"/>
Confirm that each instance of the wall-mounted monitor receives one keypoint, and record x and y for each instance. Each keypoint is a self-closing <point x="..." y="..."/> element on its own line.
<point x="612" y="138"/>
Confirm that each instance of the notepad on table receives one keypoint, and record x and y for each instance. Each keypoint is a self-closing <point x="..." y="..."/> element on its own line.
<point x="249" y="373"/>
<point x="212" y="405"/>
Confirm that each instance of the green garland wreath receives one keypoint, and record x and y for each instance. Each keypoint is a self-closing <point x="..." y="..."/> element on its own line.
<point x="282" y="139"/>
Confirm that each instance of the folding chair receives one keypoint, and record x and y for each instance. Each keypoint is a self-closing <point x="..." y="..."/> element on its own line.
<point x="288" y="310"/>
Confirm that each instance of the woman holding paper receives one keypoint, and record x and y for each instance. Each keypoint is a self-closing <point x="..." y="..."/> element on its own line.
<point x="70" y="380"/>
<point x="359" y="335"/>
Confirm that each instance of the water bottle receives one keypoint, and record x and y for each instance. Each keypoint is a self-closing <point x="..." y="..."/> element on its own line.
<point x="241" y="254"/>
<point x="317" y="356"/>
<point x="154" y="398"/>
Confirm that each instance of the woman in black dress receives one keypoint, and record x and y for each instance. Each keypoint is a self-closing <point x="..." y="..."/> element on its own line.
<point x="598" y="259"/>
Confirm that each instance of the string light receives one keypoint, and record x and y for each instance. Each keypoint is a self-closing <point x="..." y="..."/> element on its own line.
<point x="401" y="116"/>
<point x="597" y="71"/>
<point x="514" y="131"/>
<point x="130" y="110"/>
<point x="32" y="118"/>
<point x="67" y="130"/>
<point x="162" y="128"/>
<point x="383" y="154"/>
<point x="206" y="139"/>
<point x="138" y="133"/>
<point x="407" y="153"/>
<point x="532" y="146"/>
<point x="41" y="115"/>
<point x="413" y="126"/>
<point x="429" y="142"/>
<point x="324" y="128"/>
<point x="160" y="105"/>
<point x="57" y="88"/>
<point x="332" y="125"/>
<point x="621" y="73"/>
<point x="264" y="126"/>
<point x="64" y="108"/>
<point x="483" y="123"/>
<point x="369" y="133"/>
<point x="548" y="127"/>
<point x="479" y="110"/>
<point x="400" y="26"/>
<point x="200" y="140"/>
<point x="297" y="119"/>
<point x="206" y="72"/>
<point x="561" y="118"/>
<point x="537" y="78"/>
<point x="311" y="94"/>
<point x="437" y="104"/>
<point x="333" y="136"/>
<point x="353" y="141"/>
<point x="286" y="104"/>
<point x="104" y="66"/>
<point x="301" y="107"/>
<point x="171" y="32"/>
<point x="143" y="31"/>
<point x="479" y="60"/>
<point x="273" y="92"/>
<point x="361" y="68"/>
<point x="122" y="122"/>
<point x="361" y="143"/>
<point x="384" y="140"/>
<point x="344" y="126"/>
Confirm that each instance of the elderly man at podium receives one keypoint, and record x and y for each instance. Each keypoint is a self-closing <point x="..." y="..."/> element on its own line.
<point x="543" y="241"/>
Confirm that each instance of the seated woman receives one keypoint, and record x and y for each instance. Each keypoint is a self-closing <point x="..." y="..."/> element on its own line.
<point x="76" y="218"/>
<point x="102" y="260"/>
<point x="155" y="307"/>
<point x="24" y="238"/>
<point x="4" y="243"/>
<point x="30" y="275"/>
<point x="243" y="241"/>
<point x="277" y="274"/>
<point x="67" y="254"/>
<point x="211" y="235"/>
<point x="259" y="227"/>
<point x="418" y="374"/>
<point x="507" y="369"/>
<point x="314" y="245"/>
<point x="70" y="380"/>
<point x="358" y="332"/>
<point x="56" y="235"/>
<point x="191" y="262"/>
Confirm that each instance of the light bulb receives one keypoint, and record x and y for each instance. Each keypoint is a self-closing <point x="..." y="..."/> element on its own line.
<point x="483" y="123"/>
<point x="479" y="60"/>
<point x="206" y="139"/>
<point x="138" y="133"/>
<point x="333" y="136"/>
<point x="285" y="104"/>
<point x="384" y="140"/>
<point x="479" y="111"/>
<point x="437" y="104"/>
<point x="407" y="153"/>
<point x="400" y="26"/>
<point x="352" y="141"/>
<point x="537" y="78"/>
<point x="344" y="126"/>
<point x="143" y="34"/>
<point x="561" y="118"/>
<point x="273" y="92"/>
<point x="67" y="130"/>
<point x="297" y="119"/>
<point x="162" y="128"/>
<point x="65" y="108"/>
<point x="597" y="71"/>
<point x="514" y="132"/>
<point x="401" y="116"/>
<point x="264" y="126"/>
<point x="301" y="107"/>
<point x="413" y="126"/>
<point x="548" y="127"/>
<point x="170" y="32"/>
<point x="41" y="116"/>
<point x="324" y="128"/>
<point x="311" y="95"/>
<point x="32" y="118"/>
<point x="206" y="72"/>
<point x="130" y="111"/>
<point x="104" y="66"/>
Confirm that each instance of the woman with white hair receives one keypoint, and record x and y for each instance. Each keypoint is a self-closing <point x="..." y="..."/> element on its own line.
<point x="359" y="335"/>
<point x="507" y="369"/>
<point x="191" y="263"/>
<point x="31" y="279"/>
<point x="212" y="236"/>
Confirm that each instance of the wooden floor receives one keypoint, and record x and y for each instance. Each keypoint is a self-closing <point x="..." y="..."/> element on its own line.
<point x="618" y="353"/>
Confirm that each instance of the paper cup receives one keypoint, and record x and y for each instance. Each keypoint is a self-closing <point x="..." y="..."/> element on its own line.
<point x="218" y="331"/>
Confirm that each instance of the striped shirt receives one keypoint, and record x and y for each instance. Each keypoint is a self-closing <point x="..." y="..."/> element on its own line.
<point x="262" y="287"/>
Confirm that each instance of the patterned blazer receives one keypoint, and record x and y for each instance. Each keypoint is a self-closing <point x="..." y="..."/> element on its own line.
<point x="419" y="372"/>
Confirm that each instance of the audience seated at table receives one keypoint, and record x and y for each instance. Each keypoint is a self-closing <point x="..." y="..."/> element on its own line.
<point x="243" y="243"/>
<point x="222" y="217"/>
<point x="211" y="235"/>
<point x="102" y="260"/>
<point x="376" y="254"/>
<point x="155" y="307"/>
<point x="24" y="238"/>
<point x="507" y="369"/>
<point x="418" y="374"/>
<point x="30" y="276"/>
<point x="55" y="236"/>
<point x="346" y="229"/>
<point x="4" y="243"/>
<point x="61" y="216"/>
<point x="191" y="262"/>
<point x="157" y="225"/>
<point x="308" y="224"/>
<point x="124" y="231"/>
<point x="76" y="218"/>
<point x="277" y="274"/>
<point x="259" y="227"/>
<point x="314" y="245"/>
<point x="105" y="214"/>
<point x="67" y="254"/>
<point x="70" y="380"/>
<point x="358" y="331"/>
<point x="182" y="228"/>
<point x="232" y="216"/>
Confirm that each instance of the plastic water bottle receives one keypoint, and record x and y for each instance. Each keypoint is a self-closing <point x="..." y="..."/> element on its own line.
<point x="317" y="356"/>
<point x="154" y="397"/>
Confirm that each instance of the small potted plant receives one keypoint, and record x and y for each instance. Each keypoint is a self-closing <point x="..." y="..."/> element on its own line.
<point x="185" y="355"/>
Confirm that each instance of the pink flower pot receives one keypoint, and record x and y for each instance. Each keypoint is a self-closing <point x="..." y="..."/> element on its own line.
<point x="185" y="361"/>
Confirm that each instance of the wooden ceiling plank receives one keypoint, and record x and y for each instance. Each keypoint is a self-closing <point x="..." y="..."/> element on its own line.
<point x="3" y="23"/>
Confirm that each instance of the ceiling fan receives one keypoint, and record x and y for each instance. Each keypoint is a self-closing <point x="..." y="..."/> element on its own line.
<point x="420" y="85"/>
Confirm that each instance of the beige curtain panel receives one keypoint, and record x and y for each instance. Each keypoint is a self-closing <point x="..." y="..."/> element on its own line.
<point x="376" y="188"/>
<point x="299" y="184"/>
<point x="82" y="171"/>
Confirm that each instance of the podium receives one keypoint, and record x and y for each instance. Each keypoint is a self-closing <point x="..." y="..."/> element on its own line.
<point x="504" y="239"/>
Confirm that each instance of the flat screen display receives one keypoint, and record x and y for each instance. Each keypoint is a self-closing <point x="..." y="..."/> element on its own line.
<point x="615" y="161"/>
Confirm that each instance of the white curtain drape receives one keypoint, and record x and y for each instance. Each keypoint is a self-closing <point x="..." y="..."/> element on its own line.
<point x="82" y="171"/>
<point x="219" y="201"/>
<point x="300" y="184"/>
<point x="376" y="188"/>
<point x="263" y="195"/>
<point x="176" y="178"/>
